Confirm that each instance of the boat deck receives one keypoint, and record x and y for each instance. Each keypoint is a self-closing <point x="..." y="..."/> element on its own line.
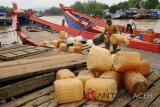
<point x="41" y="35"/>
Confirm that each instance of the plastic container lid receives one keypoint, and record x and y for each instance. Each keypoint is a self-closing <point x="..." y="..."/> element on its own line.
<point x="79" y="38"/>
<point x="70" y="40"/>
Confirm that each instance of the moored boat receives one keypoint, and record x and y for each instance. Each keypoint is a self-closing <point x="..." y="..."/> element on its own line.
<point x="22" y="19"/>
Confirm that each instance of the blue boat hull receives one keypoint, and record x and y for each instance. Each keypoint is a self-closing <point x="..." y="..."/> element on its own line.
<point x="73" y="24"/>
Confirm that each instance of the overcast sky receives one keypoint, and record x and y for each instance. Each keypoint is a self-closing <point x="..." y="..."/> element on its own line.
<point x="25" y="4"/>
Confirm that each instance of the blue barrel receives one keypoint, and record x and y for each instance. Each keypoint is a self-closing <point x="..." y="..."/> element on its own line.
<point x="140" y="36"/>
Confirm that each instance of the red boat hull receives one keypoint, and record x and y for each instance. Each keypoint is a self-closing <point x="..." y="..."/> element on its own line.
<point x="25" y="39"/>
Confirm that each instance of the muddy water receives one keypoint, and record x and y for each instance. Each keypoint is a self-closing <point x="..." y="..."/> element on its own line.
<point x="142" y="23"/>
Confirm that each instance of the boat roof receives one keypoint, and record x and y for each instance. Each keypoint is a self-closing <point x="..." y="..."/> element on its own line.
<point x="2" y="10"/>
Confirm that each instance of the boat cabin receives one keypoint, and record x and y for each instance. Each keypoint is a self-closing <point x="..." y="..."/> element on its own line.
<point x="2" y="14"/>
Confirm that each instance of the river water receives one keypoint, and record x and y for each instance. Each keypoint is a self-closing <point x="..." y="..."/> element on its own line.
<point x="10" y="37"/>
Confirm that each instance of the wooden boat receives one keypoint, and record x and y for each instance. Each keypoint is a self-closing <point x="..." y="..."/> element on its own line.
<point x="80" y="21"/>
<point x="22" y="19"/>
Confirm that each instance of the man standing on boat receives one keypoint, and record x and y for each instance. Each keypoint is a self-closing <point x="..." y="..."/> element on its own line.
<point x="129" y="26"/>
<point x="109" y="30"/>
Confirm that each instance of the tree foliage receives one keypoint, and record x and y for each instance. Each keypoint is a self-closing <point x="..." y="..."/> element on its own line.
<point x="151" y="4"/>
<point x="53" y="11"/>
<point x="78" y="6"/>
<point x="92" y="7"/>
<point x="148" y="4"/>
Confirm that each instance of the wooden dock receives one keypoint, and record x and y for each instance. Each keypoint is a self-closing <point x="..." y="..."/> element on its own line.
<point x="28" y="81"/>
<point x="44" y="96"/>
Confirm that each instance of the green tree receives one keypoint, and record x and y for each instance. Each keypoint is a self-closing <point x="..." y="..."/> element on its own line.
<point x="113" y="8"/>
<point x="158" y="6"/>
<point x="92" y="7"/>
<point x="151" y="4"/>
<point x="53" y="11"/>
<point x="78" y="6"/>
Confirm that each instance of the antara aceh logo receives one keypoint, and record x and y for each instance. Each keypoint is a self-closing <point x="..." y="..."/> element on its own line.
<point x="92" y="95"/>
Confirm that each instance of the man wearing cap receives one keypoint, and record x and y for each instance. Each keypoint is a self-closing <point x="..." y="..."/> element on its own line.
<point x="109" y="30"/>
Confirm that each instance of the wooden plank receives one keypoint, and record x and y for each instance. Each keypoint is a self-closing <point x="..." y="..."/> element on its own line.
<point x="11" y="73"/>
<point x="156" y="103"/>
<point x="26" y="85"/>
<point x="51" y="103"/>
<point x="36" y="70"/>
<point x="144" y="102"/>
<point x="42" y="48"/>
<point x="125" y="98"/>
<point x="46" y="54"/>
<point x="40" y="100"/>
<point x="5" y="55"/>
<point x="18" y="53"/>
<point x="29" y="97"/>
<point x="30" y="50"/>
<point x="122" y="97"/>
<point x="16" y="49"/>
<point x="12" y="47"/>
<point x="102" y="104"/>
<point x="74" y="104"/>
<point x="29" y="61"/>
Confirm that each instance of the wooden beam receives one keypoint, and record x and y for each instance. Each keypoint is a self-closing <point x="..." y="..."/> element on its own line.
<point x="26" y="85"/>
<point x="51" y="103"/>
<point x="10" y="73"/>
<point x="156" y="102"/>
<point x="29" y="97"/>
<point x="40" y="100"/>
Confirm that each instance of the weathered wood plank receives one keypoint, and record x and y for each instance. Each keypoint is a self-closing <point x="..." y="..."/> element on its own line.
<point x="39" y="67"/>
<point x="16" y="49"/>
<point x="42" y="48"/>
<point x="5" y="55"/>
<point x="144" y="102"/>
<point x="51" y="103"/>
<point x="30" y="50"/>
<point x="19" y="53"/>
<point x="26" y="85"/>
<point x="29" y="97"/>
<point x="12" y="47"/>
<point x="122" y="96"/>
<point x="101" y="103"/>
<point x="40" y="100"/>
<point x="74" y="104"/>
<point x="125" y="98"/>
<point x="156" y="103"/>
<point x="29" y="61"/>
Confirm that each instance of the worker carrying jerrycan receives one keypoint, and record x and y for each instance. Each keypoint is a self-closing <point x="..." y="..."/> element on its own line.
<point x="110" y="29"/>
